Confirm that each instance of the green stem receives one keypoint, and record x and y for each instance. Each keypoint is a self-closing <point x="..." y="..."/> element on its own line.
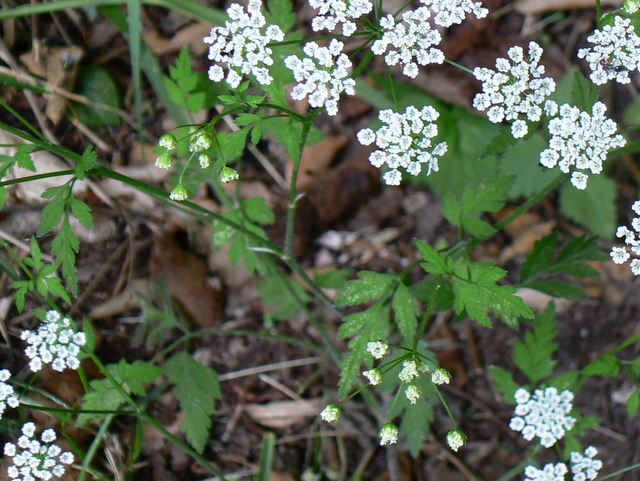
<point x="461" y="67"/>
<point x="598" y="13"/>
<point x="616" y="473"/>
<point x="520" y="467"/>
<point x="95" y="444"/>
<point x="139" y="411"/>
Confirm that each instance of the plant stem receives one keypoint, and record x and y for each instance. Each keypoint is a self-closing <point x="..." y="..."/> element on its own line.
<point x="520" y="467"/>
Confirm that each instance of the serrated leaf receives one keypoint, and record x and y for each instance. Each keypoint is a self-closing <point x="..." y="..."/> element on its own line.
<point x="436" y="262"/>
<point x="405" y="309"/>
<point x="504" y="383"/>
<point x="354" y="322"/>
<point x="584" y="93"/>
<point x="82" y="212"/>
<point x="556" y="288"/>
<point x="97" y="84"/>
<point x="370" y="286"/>
<point x="88" y="161"/>
<point x="606" y="365"/>
<point x="533" y="353"/>
<point x="196" y="387"/>
<point x="286" y="295"/>
<point x="280" y="12"/>
<point x="52" y="213"/>
<point x="333" y="279"/>
<point x="232" y="144"/>
<point x="258" y="210"/>
<point x="416" y="420"/>
<point x="64" y="248"/>
<point x="594" y="207"/>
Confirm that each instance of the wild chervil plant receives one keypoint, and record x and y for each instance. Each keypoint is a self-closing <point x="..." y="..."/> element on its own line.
<point x="254" y="54"/>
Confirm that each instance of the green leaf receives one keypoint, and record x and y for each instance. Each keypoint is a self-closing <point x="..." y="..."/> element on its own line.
<point x="584" y="93"/>
<point x="606" y="365"/>
<point x="477" y="199"/>
<point x="97" y="85"/>
<point x="504" y="383"/>
<point x="633" y="403"/>
<point x="416" y="420"/>
<point x="82" y="212"/>
<point x="105" y="396"/>
<point x="54" y="210"/>
<point x="258" y="210"/>
<point x="533" y="353"/>
<point x="475" y="289"/>
<point x="232" y="144"/>
<point x="371" y="285"/>
<point x="287" y="295"/>
<point x="280" y="12"/>
<point x="196" y="387"/>
<point x="557" y="288"/>
<point x="594" y="207"/>
<point x="64" y="248"/>
<point x="88" y="161"/>
<point x="354" y="322"/>
<point x="287" y="131"/>
<point x="333" y="279"/>
<point x="436" y="262"/>
<point x="405" y="309"/>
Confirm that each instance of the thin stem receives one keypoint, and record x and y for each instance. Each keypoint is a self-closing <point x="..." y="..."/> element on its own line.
<point x="461" y="67"/>
<point x="598" y="13"/>
<point x="97" y="440"/>
<point x="616" y="473"/>
<point x="520" y="467"/>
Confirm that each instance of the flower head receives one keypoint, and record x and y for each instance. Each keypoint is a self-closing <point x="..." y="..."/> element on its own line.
<point x="545" y="415"/>
<point x="55" y="342"/>
<point x="241" y="45"/>
<point x="331" y="413"/>
<point x="409" y="371"/>
<point x="164" y="161"/>
<point x="413" y="393"/>
<point x="179" y="193"/>
<point x="404" y="142"/>
<point x="374" y="376"/>
<point x="33" y="459"/>
<point x="410" y="42"/>
<point x="168" y="141"/>
<point x="456" y="439"/>
<point x="378" y="349"/>
<point x="515" y="89"/>
<point x="322" y="76"/>
<point x="450" y="12"/>
<point x="440" y="376"/>
<point x="199" y="142"/>
<point x="388" y="434"/>
<point x="333" y="12"/>
<point x="551" y="472"/>
<point x="7" y="397"/>
<point x="581" y="141"/>
<point x="620" y="255"/>
<point x="585" y="466"/>
<point x="615" y="53"/>
<point x="227" y="174"/>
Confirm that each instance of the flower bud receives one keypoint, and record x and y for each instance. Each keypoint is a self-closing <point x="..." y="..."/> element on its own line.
<point x="374" y="376"/>
<point x="331" y="413"/>
<point x="205" y="160"/>
<point x="164" y="161"/>
<point x="388" y="434"/>
<point x="227" y="174"/>
<point x="456" y="439"/>
<point x="179" y="192"/>
<point x="631" y="6"/>
<point x="440" y="376"/>
<point x="168" y="141"/>
<point x="199" y="142"/>
<point x="378" y="349"/>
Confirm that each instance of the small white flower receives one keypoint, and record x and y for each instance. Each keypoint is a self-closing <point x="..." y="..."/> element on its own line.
<point x="33" y="459"/>
<point x="550" y="472"/>
<point x="388" y="434"/>
<point x="242" y="45"/>
<point x="168" y="141"/>
<point x="615" y="53"/>
<point x="331" y="413"/>
<point x="515" y="89"/>
<point x="378" y="349"/>
<point x="334" y="12"/>
<point x="440" y="376"/>
<point x="620" y="255"/>
<point x="405" y="142"/>
<point x="7" y="396"/>
<point x="585" y="466"/>
<point x="322" y="76"/>
<point x="409" y="371"/>
<point x="456" y="439"/>
<point x="374" y="376"/>
<point x="179" y="193"/>
<point x="53" y="343"/>
<point x="450" y="12"/>
<point x="413" y="393"/>
<point x="545" y="415"/>
<point x="580" y="142"/>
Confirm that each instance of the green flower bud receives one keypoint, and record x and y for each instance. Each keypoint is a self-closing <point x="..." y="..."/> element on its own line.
<point x="164" y="161"/>
<point x="199" y="142"/>
<point x="179" y="192"/>
<point x="631" y="6"/>
<point x="388" y="434"/>
<point x="168" y="141"/>
<point x="456" y="439"/>
<point x="331" y="413"/>
<point x="227" y="174"/>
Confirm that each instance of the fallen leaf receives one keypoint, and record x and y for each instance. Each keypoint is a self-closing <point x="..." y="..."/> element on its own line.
<point x="282" y="414"/>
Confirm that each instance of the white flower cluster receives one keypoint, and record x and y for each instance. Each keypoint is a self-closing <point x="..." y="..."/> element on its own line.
<point x="450" y="12"/>
<point x="322" y="76"/>
<point x="331" y="413"/>
<point x="515" y="89"/>
<point x="7" y="397"/>
<point x="388" y="434"/>
<point x="33" y="459"/>
<point x="580" y="140"/>
<point x="55" y="342"/>
<point x="374" y="376"/>
<point x="551" y="472"/>
<point x="545" y="415"/>
<point x="404" y="141"/>
<point x="333" y="12"/>
<point x="378" y="349"/>
<point x="585" y="466"/>
<point x="410" y="42"/>
<point x="241" y="45"/>
<point x="619" y="255"/>
<point x="615" y="53"/>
